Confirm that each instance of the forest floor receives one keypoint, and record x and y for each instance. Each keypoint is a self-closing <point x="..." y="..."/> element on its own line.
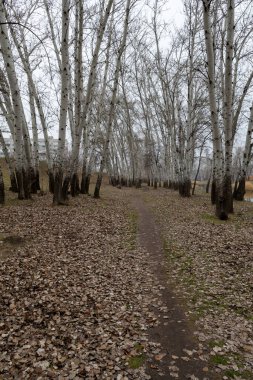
<point x="210" y="270"/>
<point x="139" y="284"/>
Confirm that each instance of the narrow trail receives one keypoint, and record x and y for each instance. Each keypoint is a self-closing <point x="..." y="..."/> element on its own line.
<point x="174" y="333"/>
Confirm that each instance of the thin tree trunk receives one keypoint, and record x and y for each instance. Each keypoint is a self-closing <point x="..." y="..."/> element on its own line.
<point x="89" y="92"/>
<point x="16" y="100"/>
<point x="61" y="189"/>
<point x="78" y="82"/>
<point x="35" y="185"/>
<point x="197" y="173"/>
<point x="24" y="55"/>
<point x="112" y="104"/>
<point x="228" y="108"/>
<point x="14" y="186"/>
<point x="2" y="193"/>
<point x="239" y="190"/>
<point x="216" y="135"/>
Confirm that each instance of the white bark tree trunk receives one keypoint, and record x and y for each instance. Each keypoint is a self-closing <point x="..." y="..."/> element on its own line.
<point x="240" y="189"/>
<point x="60" y="192"/>
<point x="36" y="179"/>
<point x="10" y="164"/>
<point x="228" y="106"/>
<point x="24" y="56"/>
<point x="16" y="100"/>
<point x="81" y="121"/>
<point x="2" y="193"/>
<point x="112" y="104"/>
<point x="216" y="134"/>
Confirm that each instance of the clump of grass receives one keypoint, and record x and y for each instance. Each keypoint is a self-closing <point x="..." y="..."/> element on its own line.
<point x="136" y="361"/>
<point x="133" y="217"/>
<point x="214" y="220"/>
<point x="232" y="374"/>
<point x="220" y="359"/>
<point x="215" y="343"/>
<point x="187" y="265"/>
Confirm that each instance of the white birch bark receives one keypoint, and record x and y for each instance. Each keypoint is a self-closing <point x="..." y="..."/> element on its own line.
<point x="16" y="99"/>
<point x="5" y="103"/>
<point x="78" y="75"/>
<point x="2" y="193"/>
<point x="7" y="111"/>
<point x="190" y="127"/>
<point x="89" y="89"/>
<point x="53" y="36"/>
<point x="59" y="194"/>
<point x="240" y="187"/>
<point x="216" y="135"/>
<point x="88" y="164"/>
<point x="228" y="105"/>
<point x="113" y="100"/>
<point x="26" y="138"/>
<point x="237" y="112"/>
<point x="35" y="183"/>
<point x="24" y="56"/>
<point x="248" y="145"/>
<point x="9" y="162"/>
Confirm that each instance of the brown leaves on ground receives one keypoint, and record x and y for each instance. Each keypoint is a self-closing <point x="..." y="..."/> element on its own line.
<point x="211" y="267"/>
<point x="75" y="296"/>
<point x="73" y="299"/>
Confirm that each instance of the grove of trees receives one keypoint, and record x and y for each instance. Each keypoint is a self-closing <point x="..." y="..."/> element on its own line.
<point x="134" y="96"/>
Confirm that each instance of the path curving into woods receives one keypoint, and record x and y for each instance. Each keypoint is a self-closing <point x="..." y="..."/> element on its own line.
<point x="174" y="333"/>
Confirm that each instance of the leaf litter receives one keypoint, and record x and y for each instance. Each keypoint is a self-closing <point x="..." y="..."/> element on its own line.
<point x="210" y="266"/>
<point x="74" y="300"/>
<point x="77" y="298"/>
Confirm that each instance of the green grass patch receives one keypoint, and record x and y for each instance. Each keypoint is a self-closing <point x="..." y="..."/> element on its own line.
<point x="133" y="217"/>
<point x="232" y="374"/>
<point x="206" y="305"/>
<point x="239" y="310"/>
<point x="216" y="343"/>
<point x="219" y="359"/>
<point x="136" y="361"/>
<point x="210" y="218"/>
<point x="186" y="265"/>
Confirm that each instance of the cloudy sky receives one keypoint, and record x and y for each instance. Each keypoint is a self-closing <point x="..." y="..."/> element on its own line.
<point x="175" y="11"/>
<point x="172" y="10"/>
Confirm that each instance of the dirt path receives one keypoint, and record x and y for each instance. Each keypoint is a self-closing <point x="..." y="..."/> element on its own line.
<point x="174" y="333"/>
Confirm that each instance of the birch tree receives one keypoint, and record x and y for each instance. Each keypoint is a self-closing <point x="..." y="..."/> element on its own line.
<point x="220" y="179"/>
<point x="112" y="103"/>
<point x="2" y="193"/>
<point x="239" y="190"/>
<point x="59" y="191"/>
<point x="9" y="163"/>
<point x="228" y="106"/>
<point x="81" y="125"/>
<point x="8" y="59"/>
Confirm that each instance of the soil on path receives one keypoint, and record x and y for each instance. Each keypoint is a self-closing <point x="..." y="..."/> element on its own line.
<point x="174" y="332"/>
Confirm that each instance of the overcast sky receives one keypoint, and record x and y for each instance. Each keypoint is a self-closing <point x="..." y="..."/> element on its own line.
<point x="172" y="11"/>
<point x="175" y="12"/>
